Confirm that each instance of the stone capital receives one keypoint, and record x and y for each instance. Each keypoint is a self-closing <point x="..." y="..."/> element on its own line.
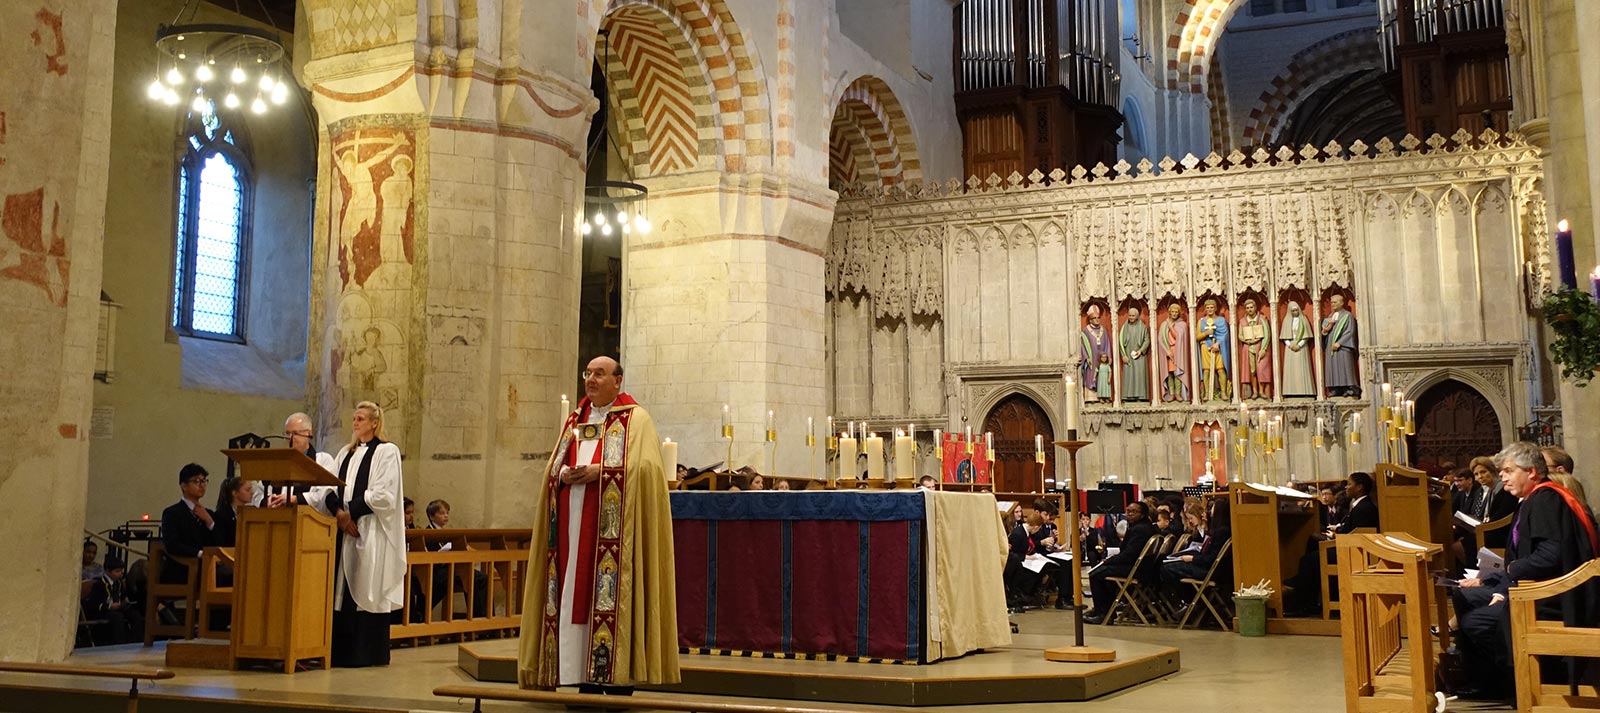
<point x="1536" y="132"/>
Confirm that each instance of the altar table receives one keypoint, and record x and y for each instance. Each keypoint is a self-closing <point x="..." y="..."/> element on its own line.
<point x="900" y="576"/>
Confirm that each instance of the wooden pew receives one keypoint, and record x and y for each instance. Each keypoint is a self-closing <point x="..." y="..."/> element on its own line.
<point x="1270" y="533"/>
<point x="1388" y="655"/>
<point x="1532" y="637"/>
<point x="212" y="595"/>
<point x="1411" y="502"/>
<point x="1484" y="528"/>
<point x="501" y="554"/>
<point x="158" y="593"/>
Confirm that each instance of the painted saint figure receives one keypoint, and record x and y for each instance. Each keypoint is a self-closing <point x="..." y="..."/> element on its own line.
<point x="1135" y="344"/>
<point x="1094" y="347"/>
<point x="1340" y="340"/>
<point x="1295" y="333"/>
<point x="1216" y="361"/>
<point x="1255" y="345"/>
<point x="1172" y="354"/>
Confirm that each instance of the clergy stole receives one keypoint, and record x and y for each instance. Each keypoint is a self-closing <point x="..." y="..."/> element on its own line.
<point x="599" y="547"/>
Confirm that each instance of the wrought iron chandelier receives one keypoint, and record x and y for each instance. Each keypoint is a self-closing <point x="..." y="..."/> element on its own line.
<point x="615" y="206"/>
<point x="200" y="64"/>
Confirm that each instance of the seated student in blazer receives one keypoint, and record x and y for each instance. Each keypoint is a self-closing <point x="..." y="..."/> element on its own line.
<point x="187" y="526"/>
<point x="1140" y="530"/>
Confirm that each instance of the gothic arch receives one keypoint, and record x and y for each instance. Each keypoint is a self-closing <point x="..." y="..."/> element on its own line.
<point x="724" y="80"/>
<point x="871" y="138"/>
<point x="1034" y="391"/>
<point x="1309" y="70"/>
<point x="1490" y="391"/>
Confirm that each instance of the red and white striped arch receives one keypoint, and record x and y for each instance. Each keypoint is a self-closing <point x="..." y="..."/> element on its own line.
<point x="870" y="139"/>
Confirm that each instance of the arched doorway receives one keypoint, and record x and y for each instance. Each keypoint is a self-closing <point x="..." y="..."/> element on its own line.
<point x="1455" y="423"/>
<point x="1014" y="422"/>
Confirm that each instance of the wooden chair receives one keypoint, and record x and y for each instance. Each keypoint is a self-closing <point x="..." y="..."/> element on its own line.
<point x="212" y="596"/>
<point x="1130" y="589"/>
<point x="158" y="593"/>
<point x="1330" y="572"/>
<point x="1383" y="628"/>
<point x="1532" y="638"/>
<point x="1486" y="527"/>
<point x="1207" y="593"/>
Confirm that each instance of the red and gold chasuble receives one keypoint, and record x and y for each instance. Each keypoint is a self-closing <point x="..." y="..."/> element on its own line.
<point x="597" y="551"/>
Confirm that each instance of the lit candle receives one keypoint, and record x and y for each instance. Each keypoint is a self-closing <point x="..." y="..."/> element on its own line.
<point x="1355" y="429"/>
<point x="847" y="456"/>
<point x="811" y="431"/>
<point x="875" y="469"/>
<point x="1399" y="401"/>
<point x="969" y="440"/>
<point x="1564" y="259"/>
<point x="1038" y="443"/>
<point x="850" y="428"/>
<point x="1594" y="284"/>
<point x="830" y="426"/>
<point x="1261" y="420"/>
<point x="769" y="419"/>
<point x="566" y="408"/>
<point x="772" y="433"/>
<point x="727" y="426"/>
<point x="938" y="444"/>
<point x="1244" y="412"/>
<point x="1216" y="442"/>
<point x="1316" y="438"/>
<point x="669" y="458"/>
<point x="988" y="445"/>
<point x="911" y="431"/>
<point x="1411" y="417"/>
<point x="905" y="457"/>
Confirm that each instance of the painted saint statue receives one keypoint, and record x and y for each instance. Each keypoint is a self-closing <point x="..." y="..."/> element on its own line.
<point x="1135" y="344"/>
<point x="1216" y="358"/>
<point x="1172" y="355"/>
<point x="1340" y="340"/>
<point x="1295" y="333"/>
<point x="1255" y="346"/>
<point x="1094" y="348"/>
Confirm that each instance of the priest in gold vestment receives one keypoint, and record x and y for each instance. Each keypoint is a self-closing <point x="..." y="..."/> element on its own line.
<point x="599" y="609"/>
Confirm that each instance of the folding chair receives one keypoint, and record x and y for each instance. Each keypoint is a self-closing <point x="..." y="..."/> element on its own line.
<point x="1206" y="592"/>
<point x="1131" y="589"/>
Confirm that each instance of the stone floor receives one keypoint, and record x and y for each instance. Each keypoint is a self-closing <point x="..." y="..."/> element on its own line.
<point x="1221" y="672"/>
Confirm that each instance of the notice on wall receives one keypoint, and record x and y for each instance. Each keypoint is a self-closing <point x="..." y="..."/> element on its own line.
<point x="101" y="422"/>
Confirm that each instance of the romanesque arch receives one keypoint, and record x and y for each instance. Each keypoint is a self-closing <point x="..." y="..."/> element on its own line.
<point x="871" y="139"/>
<point x="1195" y="29"/>
<point x="1309" y="70"/>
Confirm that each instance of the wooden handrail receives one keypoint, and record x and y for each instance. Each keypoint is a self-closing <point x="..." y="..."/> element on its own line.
<point x="102" y="538"/>
<point x="1530" y="591"/>
<point x="478" y="694"/>
<point x="134" y="675"/>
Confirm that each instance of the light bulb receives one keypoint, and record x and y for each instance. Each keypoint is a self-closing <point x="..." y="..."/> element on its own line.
<point x="203" y="74"/>
<point x="605" y="229"/>
<point x="171" y="98"/>
<point x="645" y="226"/>
<point x="599" y="218"/>
<point x="199" y="105"/>
<point x="266" y="83"/>
<point x="258" y="106"/>
<point x="280" y="93"/>
<point x="182" y="56"/>
<point x="237" y="76"/>
<point x="622" y="216"/>
<point x="625" y="228"/>
<point x="585" y="228"/>
<point x="157" y="90"/>
<point x="174" y="77"/>
<point x="231" y="101"/>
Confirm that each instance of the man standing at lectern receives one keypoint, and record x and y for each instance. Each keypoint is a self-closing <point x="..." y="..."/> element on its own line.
<point x="298" y="428"/>
<point x="599" y="611"/>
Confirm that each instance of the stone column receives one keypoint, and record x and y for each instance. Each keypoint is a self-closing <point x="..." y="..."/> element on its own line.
<point x="723" y="303"/>
<point x="55" y="116"/>
<point x="445" y="270"/>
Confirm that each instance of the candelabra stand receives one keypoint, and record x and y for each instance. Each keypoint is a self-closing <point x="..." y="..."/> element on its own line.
<point x="1077" y="652"/>
<point x="772" y="452"/>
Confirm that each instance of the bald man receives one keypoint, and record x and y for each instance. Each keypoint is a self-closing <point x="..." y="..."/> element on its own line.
<point x="298" y="428"/>
<point x="599" y="611"/>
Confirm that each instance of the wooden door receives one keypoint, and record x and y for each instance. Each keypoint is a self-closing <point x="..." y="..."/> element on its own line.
<point x="1014" y="422"/>
<point x="1455" y="423"/>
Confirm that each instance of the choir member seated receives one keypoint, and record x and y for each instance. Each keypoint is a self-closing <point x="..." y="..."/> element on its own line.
<point x="1034" y="536"/>
<point x="1215" y="531"/>
<point x="438" y="519"/>
<point x="1140" y="530"/>
<point x="234" y="494"/>
<point x="1304" y="597"/>
<point x="114" y="617"/>
<point x="187" y="526"/>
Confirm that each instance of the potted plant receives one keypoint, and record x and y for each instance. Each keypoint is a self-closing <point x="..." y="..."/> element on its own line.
<point x="1575" y="318"/>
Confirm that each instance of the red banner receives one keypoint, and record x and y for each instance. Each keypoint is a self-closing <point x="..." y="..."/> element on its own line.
<point x="964" y="465"/>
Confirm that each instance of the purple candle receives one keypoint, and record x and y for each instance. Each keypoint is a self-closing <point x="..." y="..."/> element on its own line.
<point x="1564" y="260"/>
<point x="1594" y="284"/>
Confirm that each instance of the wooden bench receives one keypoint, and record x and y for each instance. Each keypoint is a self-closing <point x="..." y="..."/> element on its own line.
<point x="1386" y="592"/>
<point x="158" y="593"/>
<point x="213" y="595"/>
<point x="500" y="554"/>
<point x="1532" y="637"/>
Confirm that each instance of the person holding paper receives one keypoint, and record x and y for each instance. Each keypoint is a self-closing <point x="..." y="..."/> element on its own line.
<point x="1553" y="534"/>
<point x="1035" y="536"/>
<point x="1495" y="504"/>
<point x="1195" y="565"/>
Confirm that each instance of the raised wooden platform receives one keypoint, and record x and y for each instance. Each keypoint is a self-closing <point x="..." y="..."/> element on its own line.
<point x="1014" y="674"/>
<point x="199" y="653"/>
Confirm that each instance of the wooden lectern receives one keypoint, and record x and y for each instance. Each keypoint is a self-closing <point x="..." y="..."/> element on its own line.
<point x="1411" y="502"/>
<point x="283" y="583"/>
<point x="1270" y="531"/>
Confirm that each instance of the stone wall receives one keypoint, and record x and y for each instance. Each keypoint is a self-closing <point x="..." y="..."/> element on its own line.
<point x="1439" y="245"/>
<point x="177" y="399"/>
<point x="55" y="117"/>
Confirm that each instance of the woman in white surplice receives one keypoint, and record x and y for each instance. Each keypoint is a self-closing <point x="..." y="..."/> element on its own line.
<point x="370" y="582"/>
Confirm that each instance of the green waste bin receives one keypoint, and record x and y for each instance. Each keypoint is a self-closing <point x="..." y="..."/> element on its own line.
<point x="1252" y="612"/>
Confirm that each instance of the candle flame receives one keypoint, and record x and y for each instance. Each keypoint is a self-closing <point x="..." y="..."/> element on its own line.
<point x="1596" y="274"/>
<point x="1561" y="226"/>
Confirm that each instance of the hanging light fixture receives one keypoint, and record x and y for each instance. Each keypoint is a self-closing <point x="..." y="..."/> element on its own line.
<point x="615" y="206"/>
<point x="212" y="63"/>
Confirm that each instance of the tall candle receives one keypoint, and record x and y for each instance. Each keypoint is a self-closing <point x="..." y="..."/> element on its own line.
<point x="847" y="457"/>
<point x="1564" y="259"/>
<point x="969" y="439"/>
<point x="938" y="444"/>
<point x="811" y="430"/>
<point x="1038" y="443"/>
<point x="566" y="408"/>
<point x="988" y="446"/>
<point x="1355" y="429"/>
<point x="874" y="457"/>
<point x="669" y="458"/>
<point x="772" y="433"/>
<point x="830" y="426"/>
<point x="727" y="427"/>
<point x="905" y="458"/>
<point x="1594" y="284"/>
<point x="911" y="430"/>
<point x="1216" y="442"/>
<point x="1316" y="438"/>
<point x="1070" y="395"/>
<point x="769" y="419"/>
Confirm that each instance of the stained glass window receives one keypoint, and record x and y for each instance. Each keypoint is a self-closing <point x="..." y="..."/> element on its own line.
<point x="212" y="242"/>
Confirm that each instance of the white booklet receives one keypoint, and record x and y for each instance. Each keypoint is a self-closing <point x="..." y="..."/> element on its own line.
<point x="1489" y="562"/>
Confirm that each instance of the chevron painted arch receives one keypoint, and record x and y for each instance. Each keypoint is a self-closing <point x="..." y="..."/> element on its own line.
<point x="870" y="127"/>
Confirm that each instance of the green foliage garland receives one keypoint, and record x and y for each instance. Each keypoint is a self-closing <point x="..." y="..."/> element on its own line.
<point x="1575" y="318"/>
